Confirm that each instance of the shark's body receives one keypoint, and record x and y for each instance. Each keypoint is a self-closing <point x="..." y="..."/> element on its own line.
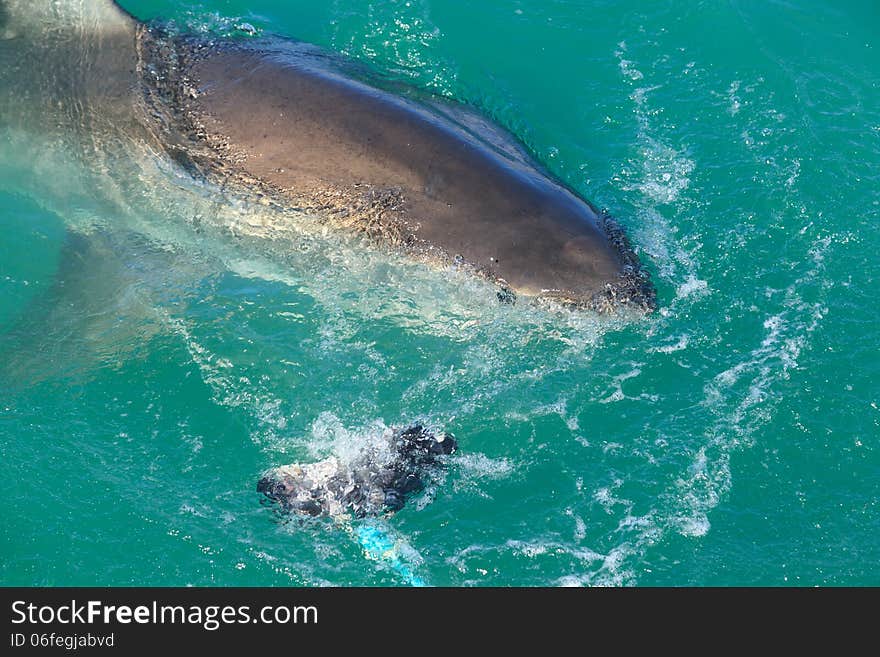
<point x="278" y="122"/>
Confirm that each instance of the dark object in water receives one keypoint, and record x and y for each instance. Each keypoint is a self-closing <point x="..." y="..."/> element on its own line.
<point x="379" y="480"/>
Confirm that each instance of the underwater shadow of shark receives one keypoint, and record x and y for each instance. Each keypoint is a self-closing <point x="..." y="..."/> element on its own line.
<point x="380" y="480"/>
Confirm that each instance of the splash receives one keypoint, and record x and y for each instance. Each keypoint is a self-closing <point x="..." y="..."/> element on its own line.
<point x="403" y="40"/>
<point x="660" y="173"/>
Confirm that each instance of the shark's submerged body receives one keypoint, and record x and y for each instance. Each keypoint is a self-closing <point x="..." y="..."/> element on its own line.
<point x="276" y="121"/>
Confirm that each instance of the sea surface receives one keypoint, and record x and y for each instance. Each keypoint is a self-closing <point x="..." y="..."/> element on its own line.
<point x="150" y="372"/>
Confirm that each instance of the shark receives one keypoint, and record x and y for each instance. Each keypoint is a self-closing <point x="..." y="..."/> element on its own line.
<point x="278" y="123"/>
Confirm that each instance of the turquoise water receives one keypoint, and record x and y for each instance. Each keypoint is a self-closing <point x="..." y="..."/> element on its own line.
<point x="149" y="372"/>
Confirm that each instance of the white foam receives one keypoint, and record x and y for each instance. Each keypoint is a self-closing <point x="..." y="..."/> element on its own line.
<point x="229" y="388"/>
<point x="680" y="345"/>
<point x="532" y="549"/>
<point x="213" y="24"/>
<point x="480" y="466"/>
<point x="580" y="527"/>
<point x="328" y="435"/>
<point x="735" y="104"/>
<point x="605" y="497"/>
<point x="692" y="287"/>
<point x="617" y="393"/>
<point x="741" y="398"/>
<point x="629" y="71"/>
<point x="407" y="43"/>
<point x="660" y="175"/>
